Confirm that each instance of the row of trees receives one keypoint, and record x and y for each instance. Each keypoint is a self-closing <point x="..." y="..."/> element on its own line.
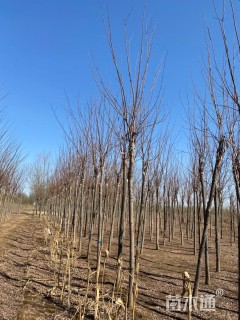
<point x="10" y="173"/>
<point x="118" y="176"/>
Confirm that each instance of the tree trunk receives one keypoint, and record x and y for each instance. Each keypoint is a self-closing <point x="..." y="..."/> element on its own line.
<point x="140" y="216"/>
<point x="93" y="213"/>
<point x="131" y="224"/>
<point x="207" y="273"/>
<point x="157" y="219"/>
<point x="123" y="205"/>
<point x="217" y="238"/>
<point x="219" y="156"/>
<point x="114" y="210"/>
<point x="100" y="215"/>
<point x="194" y="223"/>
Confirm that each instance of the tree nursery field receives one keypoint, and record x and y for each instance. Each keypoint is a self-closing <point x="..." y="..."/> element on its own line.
<point x="130" y="219"/>
<point x="38" y="282"/>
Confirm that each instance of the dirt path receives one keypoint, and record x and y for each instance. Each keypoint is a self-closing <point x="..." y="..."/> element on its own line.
<point x="20" y="240"/>
<point x="7" y="228"/>
<point x="11" y="274"/>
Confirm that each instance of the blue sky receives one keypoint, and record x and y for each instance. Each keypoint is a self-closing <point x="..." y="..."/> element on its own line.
<point x="46" y="49"/>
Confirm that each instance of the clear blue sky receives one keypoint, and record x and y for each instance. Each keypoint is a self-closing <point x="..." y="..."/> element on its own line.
<point x="46" y="50"/>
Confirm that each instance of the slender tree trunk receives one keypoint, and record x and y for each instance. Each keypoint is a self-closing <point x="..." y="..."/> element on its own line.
<point x="199" y="219"/>
<point x="164" y="219"/>
<point x="157" y="218"/>
<point x="236" y="176"/>
<point x="217" y="238"/>
<point x="150" y="212"/>
<point x="88" y="210"/>
<point x="140" y="216"/>
<point x="187" y="225"/>
<point x="238" y="211"/>
<point x="219" y="156"/>
<point x="92" y="217"/>
<point x="114" y="210"/>
<point x="194" y="224"/>
<point x="100" y="215"/>
<point x="123" y="205"/>
<point x="81" y="216"/>
<point x="207" y="273"/>
<point x="169" y="215"/>
<point x="99" y="244"/>
<point x="131" y="224"/>
<point x="122" y="218"/>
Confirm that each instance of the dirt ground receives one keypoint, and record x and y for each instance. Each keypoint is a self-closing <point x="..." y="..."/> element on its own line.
<point x="27" y="277"/>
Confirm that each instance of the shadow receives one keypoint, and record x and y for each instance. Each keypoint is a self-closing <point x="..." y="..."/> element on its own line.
<point x="6" y="276"/>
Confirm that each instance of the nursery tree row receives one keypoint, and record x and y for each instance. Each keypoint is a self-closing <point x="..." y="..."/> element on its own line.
<point x="119" y="181"/>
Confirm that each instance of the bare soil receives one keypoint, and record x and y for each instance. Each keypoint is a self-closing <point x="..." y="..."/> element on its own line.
<point x="27" y="276"/>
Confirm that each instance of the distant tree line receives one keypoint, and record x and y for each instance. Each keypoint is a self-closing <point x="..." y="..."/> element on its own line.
<point x="11" y="176"/>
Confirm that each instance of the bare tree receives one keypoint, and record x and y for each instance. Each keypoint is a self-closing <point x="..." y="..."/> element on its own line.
<point x="38" y="175"/>
<point x="135" y="106"/>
